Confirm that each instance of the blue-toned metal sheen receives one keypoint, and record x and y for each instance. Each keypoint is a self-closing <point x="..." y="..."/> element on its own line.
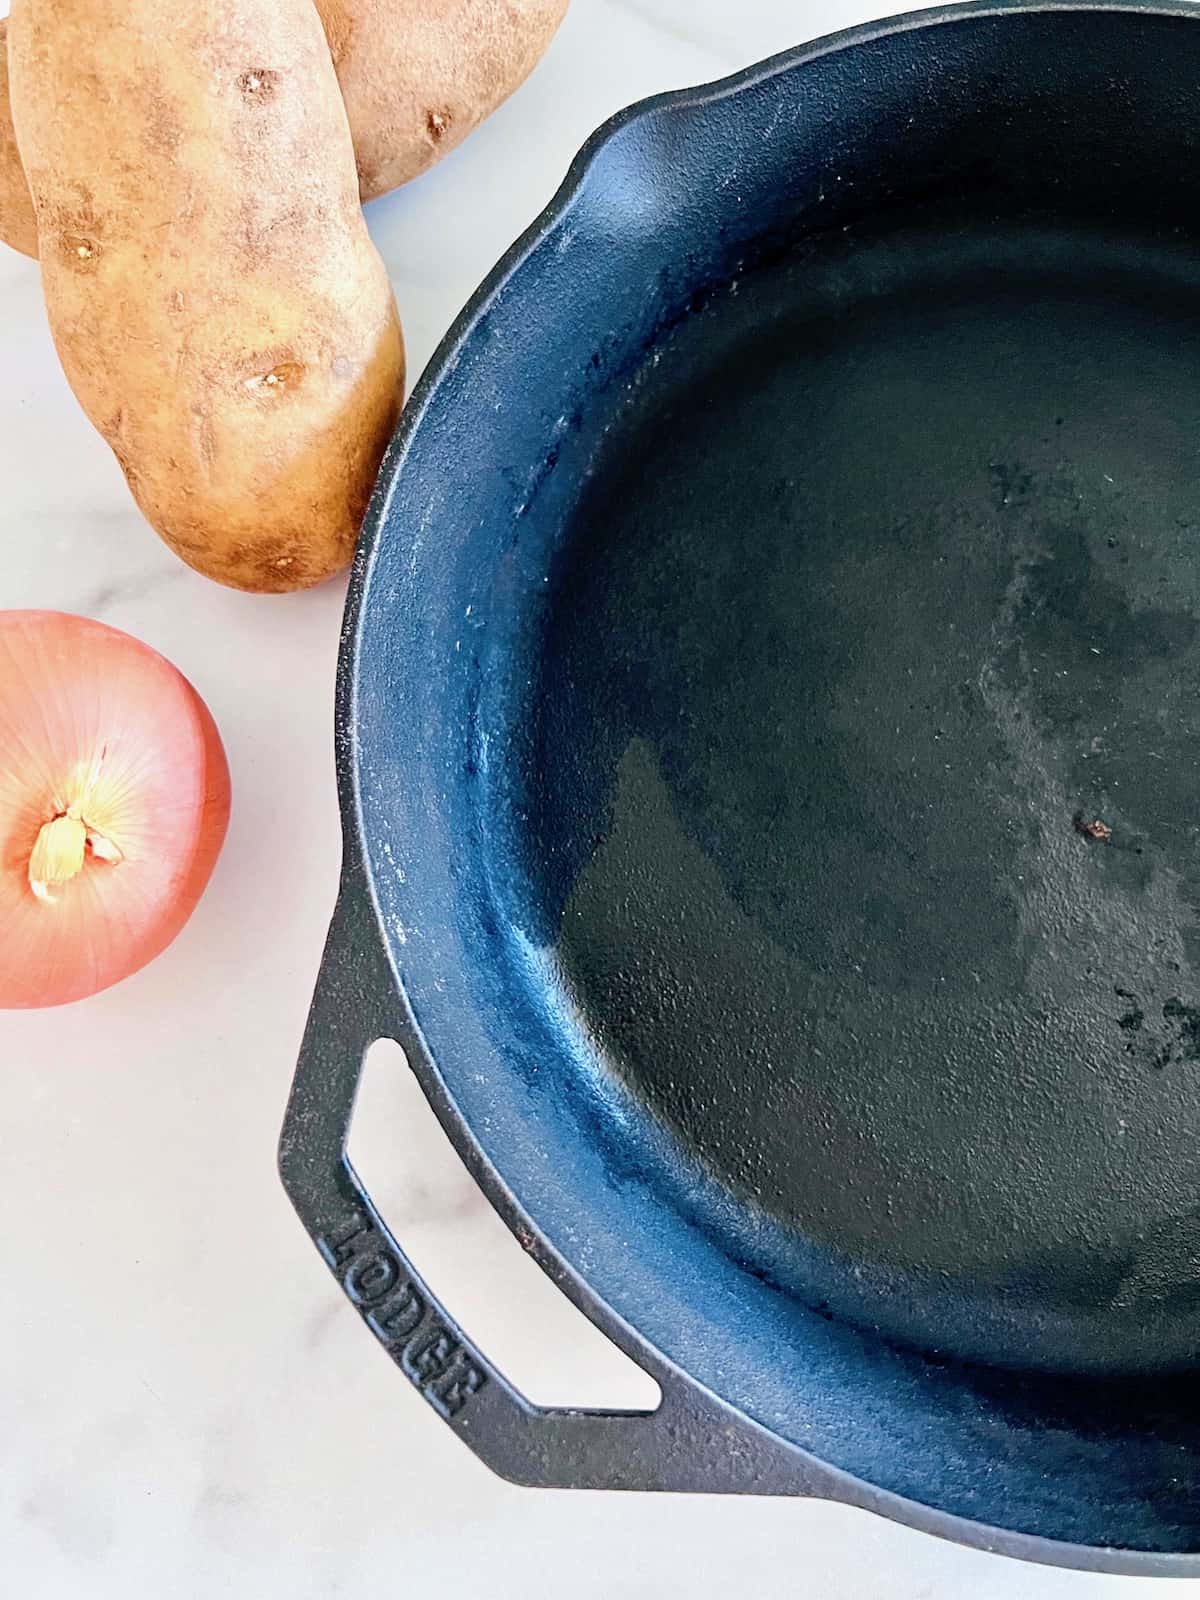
<point x="768" y="734"/>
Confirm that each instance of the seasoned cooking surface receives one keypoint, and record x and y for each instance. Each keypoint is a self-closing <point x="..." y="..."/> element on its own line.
<point x="863" y="803"/>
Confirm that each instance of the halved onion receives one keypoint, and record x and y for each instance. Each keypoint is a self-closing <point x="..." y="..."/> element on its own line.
<point x="114" y="799"/>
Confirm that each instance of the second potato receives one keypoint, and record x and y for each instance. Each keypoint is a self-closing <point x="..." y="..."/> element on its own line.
<point x="418" y="75"/>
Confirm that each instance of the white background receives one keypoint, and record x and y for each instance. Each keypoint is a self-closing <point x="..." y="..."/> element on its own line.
<point x="187" y="1408"/>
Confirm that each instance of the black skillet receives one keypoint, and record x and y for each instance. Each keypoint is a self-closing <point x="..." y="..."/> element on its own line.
<point x="769" y="734"/>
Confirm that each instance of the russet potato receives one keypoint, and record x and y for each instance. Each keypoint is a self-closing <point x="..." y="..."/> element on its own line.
<point x="216" y="301"/>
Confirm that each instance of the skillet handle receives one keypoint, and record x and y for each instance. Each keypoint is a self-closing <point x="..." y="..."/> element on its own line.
<point x="690" y="1442"/>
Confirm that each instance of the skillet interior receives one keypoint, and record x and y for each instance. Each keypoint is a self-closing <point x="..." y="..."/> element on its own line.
<point x="741" y="709"/>
<point x="883" y="590"/>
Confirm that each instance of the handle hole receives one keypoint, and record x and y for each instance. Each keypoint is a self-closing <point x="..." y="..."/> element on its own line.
<point x="542" y="1343"/>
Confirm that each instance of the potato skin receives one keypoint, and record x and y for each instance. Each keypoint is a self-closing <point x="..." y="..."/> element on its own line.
<point x="17" y="225"/>
<point x="217" y="304"/>
<point x="418" y="75"/>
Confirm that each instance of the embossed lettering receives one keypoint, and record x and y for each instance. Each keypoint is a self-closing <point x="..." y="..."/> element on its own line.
<point x="395" y="1311"/>
<point x="429" y="1358"/>
<point x="394" y="1322"/>
<point x="338" y="1250"/>
<point x="369" y="1277"/>
<point x="452" y="1392"/>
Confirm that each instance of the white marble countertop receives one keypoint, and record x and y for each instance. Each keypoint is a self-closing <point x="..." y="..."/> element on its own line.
<point x="187" y="1406"/>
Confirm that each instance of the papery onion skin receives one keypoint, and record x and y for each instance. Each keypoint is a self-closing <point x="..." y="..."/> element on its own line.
<point x="97" y="726"/>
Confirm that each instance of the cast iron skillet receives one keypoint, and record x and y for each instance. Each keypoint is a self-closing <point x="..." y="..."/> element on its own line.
<point x="769" y="738"/>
